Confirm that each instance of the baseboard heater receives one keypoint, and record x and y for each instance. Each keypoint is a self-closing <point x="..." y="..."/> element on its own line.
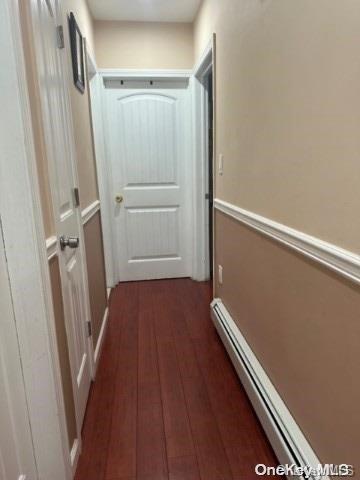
<point x="285" y="436"/>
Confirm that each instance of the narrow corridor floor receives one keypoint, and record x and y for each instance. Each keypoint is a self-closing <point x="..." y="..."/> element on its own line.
<point x="167" y="403"/>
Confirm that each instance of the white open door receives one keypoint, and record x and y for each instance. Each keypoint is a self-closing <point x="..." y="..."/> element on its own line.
<point x="149" y="151"/>
<point x="16" y="450"/>
<point x="57" y="122"/>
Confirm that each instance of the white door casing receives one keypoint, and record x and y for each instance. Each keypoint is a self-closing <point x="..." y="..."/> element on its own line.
<point x="16" y="448"/>
<point x="96" y="91"/>
<point x="63" y="178"/>
<point x="205" y="64"/>
<point x="149" y="148"/>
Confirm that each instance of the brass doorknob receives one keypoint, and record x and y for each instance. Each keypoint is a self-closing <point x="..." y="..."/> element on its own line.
<point x="119" y="198"/>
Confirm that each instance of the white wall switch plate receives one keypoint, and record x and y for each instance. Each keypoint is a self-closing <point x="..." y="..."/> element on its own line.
<point x="221" y="164"/>
<point x="220" y="276"/>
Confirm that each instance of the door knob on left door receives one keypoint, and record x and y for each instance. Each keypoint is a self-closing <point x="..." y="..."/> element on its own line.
<point x="71" y="242"/>
<point x="119" y="198"/>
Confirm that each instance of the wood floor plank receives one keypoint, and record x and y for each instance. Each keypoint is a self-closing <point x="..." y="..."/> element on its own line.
<point x="213" y="462"/>
<point x="163" y="311"/>
<point x="185" y="350"/>
<point x="213" y="465"/>
<point x="187" y="360"/>
<point x="148" y="363"/>
<point x="184" y="468"/>
<point x="121" y="478"/>
<point x="121" y="457"/>
<point x="179" y="441"/>
<point x="227" y="399"/>
<point x="196" y="311"/>
<point x="151" y="446"/>
<point x="242" y="461"/>
<point x="151" y="450"/>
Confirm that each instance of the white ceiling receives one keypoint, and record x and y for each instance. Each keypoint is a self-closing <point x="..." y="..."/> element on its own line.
<point x="145" y="10"/>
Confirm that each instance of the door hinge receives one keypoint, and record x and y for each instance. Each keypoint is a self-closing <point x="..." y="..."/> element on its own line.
<point x="76" y="197"/>
<point x="89" y="327"/>
<point x="60" y="36"/>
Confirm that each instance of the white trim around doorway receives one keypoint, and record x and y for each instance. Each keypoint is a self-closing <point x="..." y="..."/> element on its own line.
<point x="96" y="87"/>
<point x="201" y="260"/>
<point x="200" y="236"/>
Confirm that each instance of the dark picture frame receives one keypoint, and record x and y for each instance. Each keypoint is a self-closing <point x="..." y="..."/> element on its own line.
<point x="77" y="53"/>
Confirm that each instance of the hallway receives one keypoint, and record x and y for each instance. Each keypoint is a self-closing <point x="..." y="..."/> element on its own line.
<point x="167" y="403"/>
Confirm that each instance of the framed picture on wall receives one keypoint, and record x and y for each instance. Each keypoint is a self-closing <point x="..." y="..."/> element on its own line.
<point x="77" y="53"/>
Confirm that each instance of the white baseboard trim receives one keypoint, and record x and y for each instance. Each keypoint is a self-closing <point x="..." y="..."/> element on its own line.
<point x="342" y="261"/>
<point x="90" y="211"/>
<point x="74" y="456"/>
<point x="284" y="434"/>
<point x="101" y="338"/>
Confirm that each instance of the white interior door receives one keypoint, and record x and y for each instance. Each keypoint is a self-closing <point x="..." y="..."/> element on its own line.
<point x="67" y="215"/>
<point x="16" y="450"/>
<point x="149" y="147"/>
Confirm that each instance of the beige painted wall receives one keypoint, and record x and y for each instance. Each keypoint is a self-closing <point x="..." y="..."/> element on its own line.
<point x="81" y="107"/>
<point x="84" y="19"/>
<point x="96" y="273"/>
<point x="288" y="110"/>
<point x="143" y="45"/>
<point x="63" y="350"/>
<point x="302" y="322"/>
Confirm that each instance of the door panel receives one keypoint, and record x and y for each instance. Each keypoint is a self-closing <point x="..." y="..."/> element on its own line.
<point x="66" y="212"/>
<point x="16" y="449"/>
<point x="153" y="159"/>
<point x="161" y="228"/>
<point x="150" y="156"/>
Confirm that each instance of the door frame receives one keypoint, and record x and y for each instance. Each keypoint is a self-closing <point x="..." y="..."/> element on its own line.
<point x="25" y="246"/>
<point x="196" y="77"/>
<point x="201" y="161"/>
<point x="98" y="103"/>
<point x="95" y="83"/>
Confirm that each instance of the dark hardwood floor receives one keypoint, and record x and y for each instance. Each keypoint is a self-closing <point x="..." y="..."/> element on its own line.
<point x="167" y="403"/>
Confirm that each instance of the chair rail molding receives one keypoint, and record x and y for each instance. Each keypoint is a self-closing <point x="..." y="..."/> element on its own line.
<point x="90" y="211"/>
<point x="337" y="259"/>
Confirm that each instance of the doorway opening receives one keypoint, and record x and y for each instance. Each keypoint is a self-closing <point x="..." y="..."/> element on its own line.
<point x="153" y="134"/>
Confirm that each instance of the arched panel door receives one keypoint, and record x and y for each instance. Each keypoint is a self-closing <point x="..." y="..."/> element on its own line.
<point x="148" y="133"/>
